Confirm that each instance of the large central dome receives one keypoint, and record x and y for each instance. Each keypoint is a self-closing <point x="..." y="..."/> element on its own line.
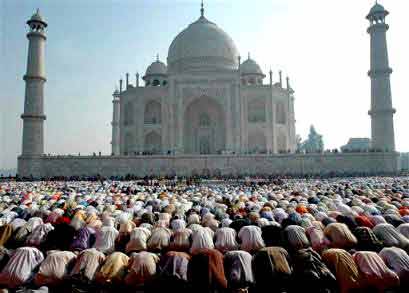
<point x="202" y="47"/>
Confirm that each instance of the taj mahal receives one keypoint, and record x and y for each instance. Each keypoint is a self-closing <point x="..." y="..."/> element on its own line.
<point x="205" y="101"/>
<point x="206" y="111"/>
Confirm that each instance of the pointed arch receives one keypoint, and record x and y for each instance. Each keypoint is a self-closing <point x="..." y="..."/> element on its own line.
<point x="257" y="142"/>
<point x="153" y="113"/>
<point x="153" y="143"/>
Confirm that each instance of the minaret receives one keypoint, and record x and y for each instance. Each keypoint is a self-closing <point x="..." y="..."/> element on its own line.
<point x="383" y="137"/>
<point x="33" y="116"/>
<point x="115" y="124"/>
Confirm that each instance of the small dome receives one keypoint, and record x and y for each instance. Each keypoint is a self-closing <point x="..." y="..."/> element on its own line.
<point x="250" y="67"/>
<point x="36" y="17"/>
<point x="377" y="8"/>
<point x="157" y="68"/>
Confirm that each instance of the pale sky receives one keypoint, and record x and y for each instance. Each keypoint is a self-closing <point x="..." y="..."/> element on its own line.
<point x="321" y="44"/>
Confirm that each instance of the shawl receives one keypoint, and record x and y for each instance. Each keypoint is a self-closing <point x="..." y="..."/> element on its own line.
<point x="238" y="269"/>
<point x="206" y="270"/>
<point x="138" y="238"/>
<point x="318" y="240"/>
<point x="367" y="240"/>
<point x="142" y="267"/>
<point x="225" y="239"/>
<point x="404" y="229"/>
<point x="160" y="239"/>
<point x="271" y="266"/>
<point x="340" y="236"/>
<point x="201" y="239"/>
<point x="175" y="265"/>
<point x="390" y="236"/>
<point x="180" y="240"/>
<point x="251" y="239"/>
<point x="5" y="233"/>
<point x="272" y="235"/>
<point x="397" y="260"/>
<point x="105" y="239"/>
<point x="296" y="238"/>
<point x="114" y="268"/>
<point x="87" y="264"/>
<point x="20" y="267"/>
<point x="311" y="272"/>
<point x="344" y="268"/>
<point x="374" y="272"/>
<point x="83" y="239"/>
<point x="54" y="268"/>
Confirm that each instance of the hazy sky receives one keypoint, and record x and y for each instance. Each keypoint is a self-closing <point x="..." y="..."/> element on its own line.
<point x="321" y="44"/>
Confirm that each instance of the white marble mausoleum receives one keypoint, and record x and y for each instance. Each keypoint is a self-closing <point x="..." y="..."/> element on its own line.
<point x="205" y="100"/>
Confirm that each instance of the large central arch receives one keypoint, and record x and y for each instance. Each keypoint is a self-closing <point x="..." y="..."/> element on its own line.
<point x="204" y="127"/>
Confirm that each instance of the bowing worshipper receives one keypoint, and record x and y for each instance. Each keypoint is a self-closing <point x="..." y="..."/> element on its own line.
<point x="206" y="271"/>
<point x="310" y="272"/>
<point x="54" y="268"/>
<point x="376" y="276"/>
<point x="296" y="238"/>
<point x="105" y="237"/>
<point x="225" y="239"/>
<point x="238" y="270"/>
<point x="22" y="233"/>
<point x="390" y="236"/>
<point x="272" y="235"/>
<point x="84" y="238"/>
<point x="202" y="239"/>
<point x="125" y="227"/>
<point x="340" y="236"/>
<point x="60" y="238"/>
<point x="398" y="261"/>
<point x="159" y="240"/>
<point x="272" y="270"/>
<point x="114" y="270"/>
<point x="19" y="269"/>
<point x="86" y="266"/>
<point x="317" y="238"/>
<point x="250" y="238"/>
<point x="6" y="231"/>
<point x="4" y="256"/>
<point x="341" y="263"/>
<point x="141" y="269"/>
<point x="404" y="229"/>
<point x="39" y="234"/>
<point x="172" y="273"/>
<point x="367" y="240"/>
<point x="180" y="240"/>
<point x="138" y="240"/>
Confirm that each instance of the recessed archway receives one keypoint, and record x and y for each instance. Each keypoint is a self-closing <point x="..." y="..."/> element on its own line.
<point x="204" y="127"/>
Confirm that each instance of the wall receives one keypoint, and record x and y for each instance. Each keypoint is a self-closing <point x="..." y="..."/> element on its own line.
<point x="370" y="163"/>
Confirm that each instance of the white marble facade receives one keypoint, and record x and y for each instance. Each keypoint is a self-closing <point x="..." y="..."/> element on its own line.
<point x="204" y="101"/>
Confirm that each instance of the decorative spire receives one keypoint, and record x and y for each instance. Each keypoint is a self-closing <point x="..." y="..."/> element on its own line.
<point x="249" y="56"/>
<point x="202" y="9"/>
<point x="157" y="57"/>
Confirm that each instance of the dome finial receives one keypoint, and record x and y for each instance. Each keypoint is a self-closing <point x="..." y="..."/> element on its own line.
<point x="249" y="55"/>
<point x="202" y="9"/>
<point x="157" y="57"/>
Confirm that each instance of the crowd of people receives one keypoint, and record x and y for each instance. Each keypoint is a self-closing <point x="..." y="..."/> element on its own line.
<point x="291" y="235"/>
